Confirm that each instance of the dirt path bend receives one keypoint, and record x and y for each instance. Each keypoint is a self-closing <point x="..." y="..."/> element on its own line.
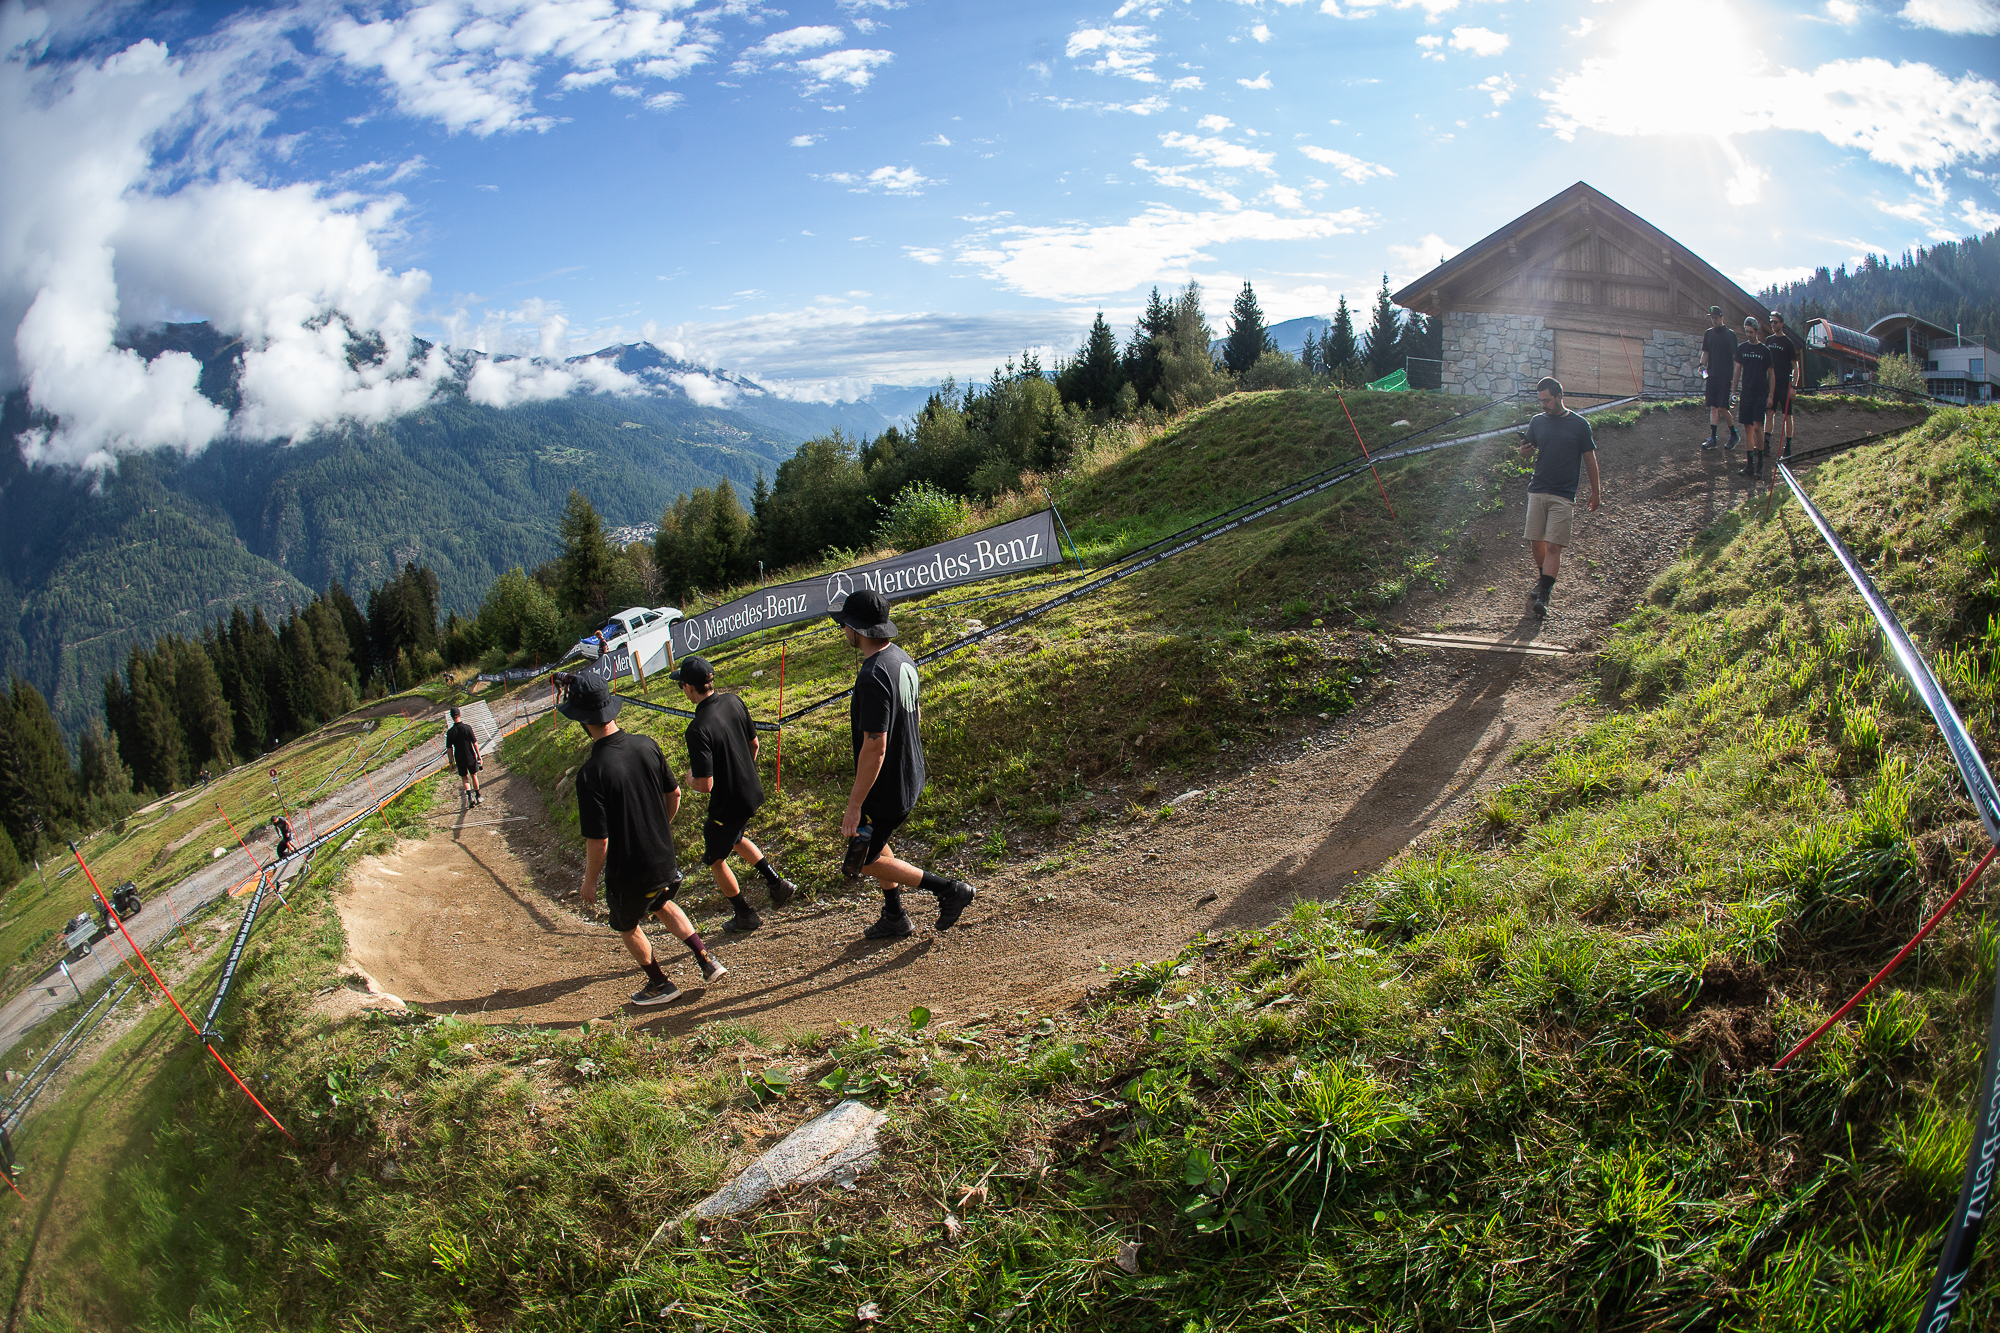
<point x="456" y="924"/>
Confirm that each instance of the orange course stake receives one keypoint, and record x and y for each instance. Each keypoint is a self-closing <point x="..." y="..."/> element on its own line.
<point x="1365" y="454"/>
<point x="138" y="953"/>
<point x="16" y="1188"/>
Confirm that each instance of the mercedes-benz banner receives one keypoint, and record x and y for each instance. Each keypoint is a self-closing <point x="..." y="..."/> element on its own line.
<point x="1025" y="543"/>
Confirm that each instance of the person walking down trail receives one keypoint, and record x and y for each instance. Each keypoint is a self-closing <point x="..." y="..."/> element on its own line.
<point x="1718" y="364"/>
<point x="462" y="744"/>
<point x="1787" y="369"/>
<point x="888" y="769"/>
<point x="1753" y="393"/>
<point x="722" y="761"/>
<point x="284" y="829"/>
<point x="626" y="800"/>
<point x="1560" y="444"/>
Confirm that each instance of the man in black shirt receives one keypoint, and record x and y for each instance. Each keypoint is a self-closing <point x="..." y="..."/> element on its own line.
<point x="463" y="747"/>
<point x="888" y="768"/>
<point x="1787" y="369"/>
<point x="1753" y="392"/>
<point x="1559" y="441"/>
<point x="1718" y="363"/>
<point x="722" y="761"/>
<point x="626" y="799"/>
<point x="284" y="828"/>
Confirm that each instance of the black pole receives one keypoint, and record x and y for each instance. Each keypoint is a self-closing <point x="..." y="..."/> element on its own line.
<point x="208" y="1032"/>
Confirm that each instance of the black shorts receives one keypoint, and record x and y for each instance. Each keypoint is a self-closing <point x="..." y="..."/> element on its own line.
<point x="1750" y="409"/>
<point x="467" y="767"/>
<point x="1781" y="400"/>
<point x="720" y="836"/>
<point x="882" y="827"/>
<point x="629" y="909"/>
<point x="1718" y="391"/>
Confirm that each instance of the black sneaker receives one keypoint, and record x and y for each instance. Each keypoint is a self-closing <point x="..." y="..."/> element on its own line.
<point x="1786" y="456"/>
<point x="1540" y="606"/>
<point x="1746" y="471"/>
<point x="1711" y="443"/>
<point x="782" y="891"/>
<point x="952" y="903"/>
<point x="712" y="970"/>
<point x="745" y="920"/>
<point x="889" y="927"/>
<point x="657" y="992"/>
<point x="1732" y="441"/>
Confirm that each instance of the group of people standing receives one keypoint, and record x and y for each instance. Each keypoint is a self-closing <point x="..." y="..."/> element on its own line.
<point x="627" y="797"/>
<point x="1761" y="371"/>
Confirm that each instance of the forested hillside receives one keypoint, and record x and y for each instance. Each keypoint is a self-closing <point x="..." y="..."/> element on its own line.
<point x="1954" y="283"/>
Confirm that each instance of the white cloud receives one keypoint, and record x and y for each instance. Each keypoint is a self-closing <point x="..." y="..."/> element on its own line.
<point x="1075" y="262"/>
<point x="1980" y="17"/>
<point x="1684" y="67"/>
<point x="1262" y="32"/>
<point x="794" y="41"/>
<point x="663" y="101"/>
<point x="587" y="78"/>
<point x="1346" y="164"/>
<point x="1408" y="262"/>
<point x="1430" y="42"/>
<point x="854" y="67"/>
<point x="511" y="381"/>
<point x="1189" y="83"/>
<point x="1144" y="107"/>
<point x="889" y="180"/>
<point x="1215" y="124"/>
<point x="1843" y="12"/>
<point x="1976" y="217"/>
<point x="806" y="140"/>
<point x="1220" y="152"/>
<point x="1119" y="50"/>
<point x="1177" y="177"/>
<point x="473" y="67"/>
<point x="924" y="254"/>
<point x="1585" y="27"/>
<point x="1499" y="87"/>
<point x="937" y="141"/>
<point x="1259" y="84"/>
<point x="1479" y="41"/>
<point x="1284" y="196"/>
<point x="1757" y="279"/>
<point x="1431" y="8"/>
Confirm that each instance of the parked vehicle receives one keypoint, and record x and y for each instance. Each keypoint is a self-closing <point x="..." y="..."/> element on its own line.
<point x="126" y="901"/>
<point x="77" y="937"/>
<point x="643" y="625"/>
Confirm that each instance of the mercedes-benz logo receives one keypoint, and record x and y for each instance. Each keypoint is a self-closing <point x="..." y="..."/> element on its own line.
<point x="693" y="635"/>
<point x="838" y="588"/>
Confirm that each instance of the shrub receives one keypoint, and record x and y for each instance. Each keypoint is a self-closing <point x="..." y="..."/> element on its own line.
<point x="1897" y="371"/>
<point x="921" y="515"/>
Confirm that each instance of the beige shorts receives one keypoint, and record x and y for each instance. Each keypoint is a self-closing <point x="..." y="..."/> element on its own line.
<point x="1548" y="518"/>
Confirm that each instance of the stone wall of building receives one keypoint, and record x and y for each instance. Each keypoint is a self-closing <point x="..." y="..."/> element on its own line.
<point x="1494" y="355"/>
<point x="1673" y="363"/>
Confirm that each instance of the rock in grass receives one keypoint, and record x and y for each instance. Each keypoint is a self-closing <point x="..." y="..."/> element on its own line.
<point x="837" y="1145"/>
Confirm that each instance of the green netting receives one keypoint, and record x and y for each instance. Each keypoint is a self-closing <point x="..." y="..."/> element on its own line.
<point x="1392" y="382"/>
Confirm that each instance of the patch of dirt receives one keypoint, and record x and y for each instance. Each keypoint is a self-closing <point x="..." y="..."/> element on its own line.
<point x="481" y="918"/>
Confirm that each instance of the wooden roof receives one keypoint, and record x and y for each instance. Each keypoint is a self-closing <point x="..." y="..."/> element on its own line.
<point x="1582" y="260"/>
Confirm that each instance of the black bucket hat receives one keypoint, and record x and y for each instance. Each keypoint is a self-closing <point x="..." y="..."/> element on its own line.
<point x="866" y="612"/>
<point x="588" y="699"/>
<point x="692" y="671"/>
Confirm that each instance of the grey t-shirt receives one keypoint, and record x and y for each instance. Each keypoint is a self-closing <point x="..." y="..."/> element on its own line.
<point x="1560" y="444"/>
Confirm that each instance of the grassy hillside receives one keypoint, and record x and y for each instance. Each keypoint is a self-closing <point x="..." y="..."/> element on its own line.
<point x="1517" y="1079"/>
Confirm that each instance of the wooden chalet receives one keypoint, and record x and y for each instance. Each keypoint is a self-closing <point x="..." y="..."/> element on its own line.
<point x="1581" y="288"/>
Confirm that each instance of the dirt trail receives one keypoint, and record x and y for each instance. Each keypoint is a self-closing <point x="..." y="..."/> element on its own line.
<point x="457" y="923"/>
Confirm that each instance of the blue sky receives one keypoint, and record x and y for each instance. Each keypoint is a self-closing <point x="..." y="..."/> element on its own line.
<point x="830" y="195"/>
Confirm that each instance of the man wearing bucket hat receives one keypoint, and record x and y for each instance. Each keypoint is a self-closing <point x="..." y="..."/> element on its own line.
<point x="888" y="768"/>
<point x="626" y="799"/>
<point x="722" y="761"/>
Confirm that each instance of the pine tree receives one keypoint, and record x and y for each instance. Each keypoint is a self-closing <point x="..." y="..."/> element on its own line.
<point x="586" y="559"/>
<point x="1093" y="379"/>
<point x="1149" y="336"/>
<point x="1248" y="337"/>
<point x="1383" y="332"/>
<point x="1421" y="341"/>
<point x="1338" y="350"/>
<point x="354" y="627"/>
<point x="36" y="782"/>
<point x="1309" y="353"/>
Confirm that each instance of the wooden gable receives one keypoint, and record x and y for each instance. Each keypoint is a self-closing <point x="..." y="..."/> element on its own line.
<point x="1584" y="262"/>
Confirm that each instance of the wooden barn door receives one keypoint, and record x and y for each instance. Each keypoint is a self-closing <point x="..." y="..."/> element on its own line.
<point x="1599" y="363"/>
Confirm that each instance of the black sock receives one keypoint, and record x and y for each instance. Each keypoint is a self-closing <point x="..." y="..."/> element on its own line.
<point x="765" y="869"/>
<point x="695" y="945"/>
<point x="1543" y="584"/>
<point x="933" y="883"/>
<point x="653" y="971"/>
<point x="740" y="903"/>
<point x="892" y="902"/>
<point x="1711" y="430"/>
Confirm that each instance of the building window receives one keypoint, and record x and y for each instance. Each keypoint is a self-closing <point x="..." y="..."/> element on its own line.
<point x="1978" y="366"/>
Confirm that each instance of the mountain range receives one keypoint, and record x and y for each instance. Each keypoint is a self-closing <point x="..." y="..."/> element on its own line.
<point x="92" y="565"/>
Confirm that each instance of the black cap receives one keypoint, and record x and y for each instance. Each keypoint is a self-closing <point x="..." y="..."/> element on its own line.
<point x="692" y="671"/>
<point x="1716" y="311"/>
<point x="866" y="612"/>
<point x="587" y="699"/>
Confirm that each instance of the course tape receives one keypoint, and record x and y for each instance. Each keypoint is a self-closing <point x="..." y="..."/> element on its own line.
<point x="1968" y="1218"/>
<point x="1354" y="468"/>
<point x="228" y="977"/>
<point x="682" y="712"/>
<point x="7" y="1111"/>
<point x="19" y="1112"/>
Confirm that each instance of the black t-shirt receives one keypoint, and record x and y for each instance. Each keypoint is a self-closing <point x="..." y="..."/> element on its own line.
<point x="1720" y="345"/>
<point x="719" y="741"/>
<point x="621" y="793"/>
<point x="1560" y="444"/>
<point x="885" y="700"/>
<point x="1784" y="355"/>
<point x="460" y="740"/>
<point x="1755" y="359"/>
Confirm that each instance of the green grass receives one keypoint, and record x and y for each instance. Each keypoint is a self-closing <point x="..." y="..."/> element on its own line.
<point x="1519" y="1079"/>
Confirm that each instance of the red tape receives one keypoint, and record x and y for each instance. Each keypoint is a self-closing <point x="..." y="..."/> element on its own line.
<point x="1365" y="454"/>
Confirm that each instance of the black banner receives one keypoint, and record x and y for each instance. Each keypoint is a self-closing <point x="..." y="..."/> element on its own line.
<point x="1025" y="543"/>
